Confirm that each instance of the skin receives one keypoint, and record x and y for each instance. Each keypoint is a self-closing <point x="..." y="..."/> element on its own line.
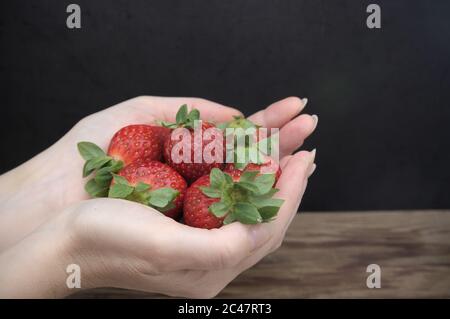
<point x="47" y="221"/>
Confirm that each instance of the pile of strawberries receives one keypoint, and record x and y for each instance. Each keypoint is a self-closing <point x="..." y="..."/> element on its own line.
<point x="139" y="166"/>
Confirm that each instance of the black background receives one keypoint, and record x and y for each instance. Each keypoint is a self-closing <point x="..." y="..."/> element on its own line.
<point x="382" y="96"/>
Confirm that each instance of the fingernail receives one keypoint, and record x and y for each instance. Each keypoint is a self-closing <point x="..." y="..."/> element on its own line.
<point x="313" y="155"/>
<point x="304" y="101"/>
<point x="313" y="168"/>
<point x="316" y="120"/>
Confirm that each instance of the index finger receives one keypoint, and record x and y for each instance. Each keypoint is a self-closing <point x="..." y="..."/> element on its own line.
<point x="279" y="113"/>
<point x="166" y="108"/>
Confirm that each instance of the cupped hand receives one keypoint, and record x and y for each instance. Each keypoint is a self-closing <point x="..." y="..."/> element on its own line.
<point x="39" y="189"/>
<point x="124" y="244"/>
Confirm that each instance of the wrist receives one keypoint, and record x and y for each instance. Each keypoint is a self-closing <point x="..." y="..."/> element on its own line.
<point x="36" y="267"/>
<point x="27" y="199"/>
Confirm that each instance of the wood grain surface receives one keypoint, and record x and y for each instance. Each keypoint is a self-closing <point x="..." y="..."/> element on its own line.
<point x="325" y="255"/>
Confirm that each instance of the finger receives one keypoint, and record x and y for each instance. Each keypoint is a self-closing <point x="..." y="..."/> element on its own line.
<point x="150" y="108"/>
<point x="279" y="113"/>
<point x="209" y="110"/>
<point x="294" y="133"/>
<point x="214" y="250"/>
<point x="142" y="233"/>
<point x="292" y="184"/>
<point x="223" y="248"/>
<point x="284" y="161"/>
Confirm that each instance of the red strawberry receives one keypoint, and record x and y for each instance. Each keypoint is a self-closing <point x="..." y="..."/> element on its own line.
<point x="129" y="144"/>
<point x="269" y="166"/>
<point x="151" y="183"/>
<point x="193" y="165"/>
<point x="138" y="142"/>
<point x="196" y="206"/>
<point x="259" y="143"/>
<point x="220" y="198"/>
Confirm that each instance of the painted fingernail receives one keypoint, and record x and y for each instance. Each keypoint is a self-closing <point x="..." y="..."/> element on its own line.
<point x="316" y="120"/>
<point x="304" y="101"/>
<point x="312" y="156"/>
<point x="313" y="168"/>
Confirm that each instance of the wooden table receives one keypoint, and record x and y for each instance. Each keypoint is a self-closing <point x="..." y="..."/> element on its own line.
<point x="325" y="255"/>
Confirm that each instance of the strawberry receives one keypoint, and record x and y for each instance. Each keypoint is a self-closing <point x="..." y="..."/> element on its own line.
<point x="238" y="122"/>
<point x="194" y="164"/>
<point x="150" y="183"/>
<point x="221" y="198"/>
<point x="268" y="166"/>
<point x="250" y="148"/>
<point x="129" y="144"/>
<point x="196" y="205"/>
<point x="138" y="142"/>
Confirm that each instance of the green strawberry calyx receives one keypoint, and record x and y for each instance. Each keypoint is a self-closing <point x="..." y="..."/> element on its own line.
<point x="238" y="122"/>
<point x="101" y="164"/>
<point x="160" y="199"/>
<point x="184" y="118"/>
<point x="249" y="200"/>
<point x="253" y="151"/>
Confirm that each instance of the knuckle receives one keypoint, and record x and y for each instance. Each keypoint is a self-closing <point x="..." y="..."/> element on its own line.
<point x="277" y="244"/>
<point x="228" y="256"/>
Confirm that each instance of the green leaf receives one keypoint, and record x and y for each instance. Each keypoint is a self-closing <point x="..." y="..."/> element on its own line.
<point x="228" y="179"/>
<point x="269" y="194"/>
<point x="268" y="212"/>
<point x="242" y="122"/>
<point x="264" y="183"/>
<point x="248" y="176"/>
<point x="247" y="213"/>
<point x="167" y="124"/>
<point x="142" y="187"/>
<point x="272" y="202"/>
<point x="219" y="209"/>
<point x="95" y="163"/>
<point x="211" y="192"/>
<point x="103" y="176"/>
<point x="182" y="114"/>
<point x="115" y="166"/>
<point x="162" y="197"/>
<point x="95" y="190"/>
<point x="252" y="187"/>
<point x="120" y="179"/>
<point x="194" y="115"/>
<point x="229" y="219"/>
<point x="267" y="207"/>
<point x="87" y="168"/>
<point x="120" y="191"/>
<point x="217" y="178"/>
<point x="166" y="208"/>
<point x="89" y="150"/>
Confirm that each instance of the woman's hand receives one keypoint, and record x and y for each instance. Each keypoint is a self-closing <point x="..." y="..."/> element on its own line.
<point x="117" y="243"/>
<point x="42" y="187"/>
<point x="48" y="191"/>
